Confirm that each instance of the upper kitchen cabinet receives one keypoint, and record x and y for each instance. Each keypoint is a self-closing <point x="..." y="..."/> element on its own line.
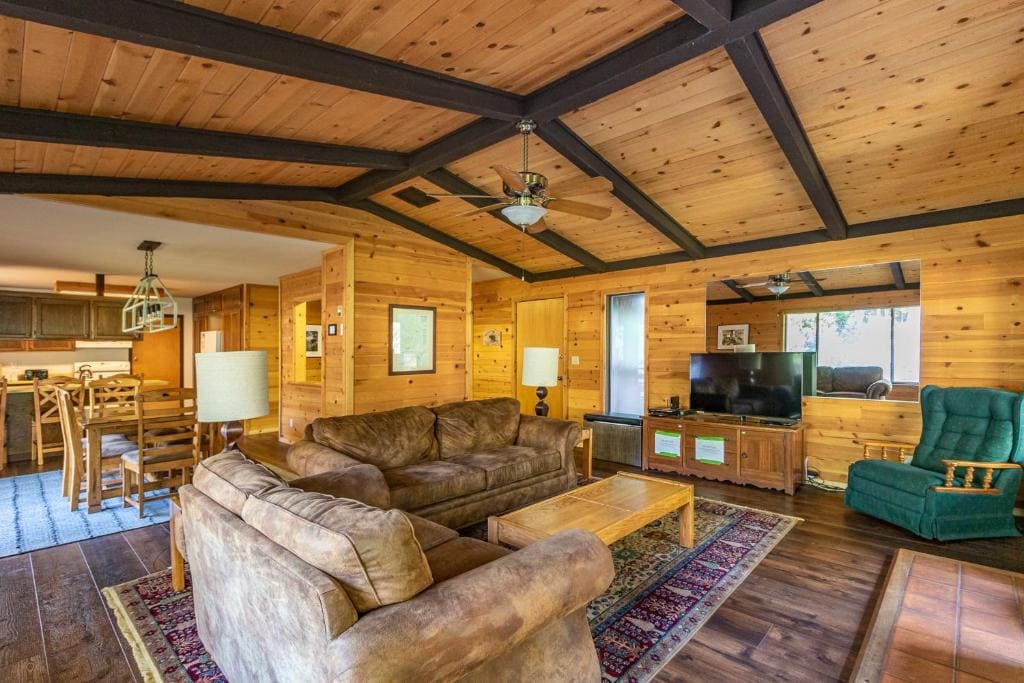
<point x="15" y="316"/>
<point x="107" y="321"/>
<point x="62" y="318"/>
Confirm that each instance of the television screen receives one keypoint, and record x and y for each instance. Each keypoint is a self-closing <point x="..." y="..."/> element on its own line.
<point x="755" y="384"/>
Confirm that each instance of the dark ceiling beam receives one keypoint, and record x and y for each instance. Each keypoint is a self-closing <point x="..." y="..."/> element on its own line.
<point x="742" y="292"/>
<point x="811" y="282"/>
<point x="467" y="140"/>
<point x="189" y="30"/>
<point x="898" y="279"/>
<point x="662" y="49"/>
<point x="584" y="157"/>
<point x="450" y="182"/>
<point x="40" y="125"/>
<point x="750" y="57"/>
<point x="47" y="183"/>
<point x="436" y="235"/>
<point x="809" y="295"/>
<point x="710" y="13"/>
<point x="963" y="214"/>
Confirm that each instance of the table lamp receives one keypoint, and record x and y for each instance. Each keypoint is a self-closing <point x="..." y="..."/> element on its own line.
<point x="540" y="369"/>
<point x="231" y="386"/>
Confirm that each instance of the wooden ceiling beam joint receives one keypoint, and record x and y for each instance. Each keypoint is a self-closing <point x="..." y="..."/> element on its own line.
<point x="812" y="283"/>
<point x="750" y="57"/>
<point x="710" y="13"/>
<point x="742" y="292"/>
<point x="898" y="278"/>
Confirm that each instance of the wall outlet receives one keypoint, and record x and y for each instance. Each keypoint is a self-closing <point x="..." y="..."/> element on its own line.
<point x="575" y="360"/>
<point x="291" y="423"/>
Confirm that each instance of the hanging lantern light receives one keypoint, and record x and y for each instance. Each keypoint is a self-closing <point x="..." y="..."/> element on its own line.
<point x="151" y="308"/>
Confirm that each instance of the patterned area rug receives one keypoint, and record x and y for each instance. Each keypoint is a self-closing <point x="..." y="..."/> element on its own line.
<point x="36" y="516"/>
<point x="662" y="594"/>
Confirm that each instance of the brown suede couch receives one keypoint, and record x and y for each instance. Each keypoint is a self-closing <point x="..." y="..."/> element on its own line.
<point x="293" y="585"/>
<point x="455" y="464"/>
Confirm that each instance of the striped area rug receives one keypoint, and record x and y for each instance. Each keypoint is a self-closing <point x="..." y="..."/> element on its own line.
<point x="36" y="516"/>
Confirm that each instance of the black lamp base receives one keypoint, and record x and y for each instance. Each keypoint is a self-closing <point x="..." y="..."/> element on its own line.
<point x="541" y="408"/>
<point x="231" y="432"/>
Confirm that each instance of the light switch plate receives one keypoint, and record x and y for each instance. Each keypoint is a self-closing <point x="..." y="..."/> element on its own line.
<point x="575" y="360"/>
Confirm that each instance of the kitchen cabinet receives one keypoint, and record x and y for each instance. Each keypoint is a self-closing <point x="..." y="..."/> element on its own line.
<point x="107" y="321"/>
<point x="758" y="454"/>
<point x="62" y="318"/>
<point x="15" y="316"/>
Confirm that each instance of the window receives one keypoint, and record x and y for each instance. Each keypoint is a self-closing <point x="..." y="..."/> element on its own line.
<point x="887" y="337"/>
<point x="625" y="353"/>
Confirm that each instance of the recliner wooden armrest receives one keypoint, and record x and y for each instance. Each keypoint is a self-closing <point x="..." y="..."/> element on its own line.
<point x="884" y="447"/>
<point x="968" y="485"/>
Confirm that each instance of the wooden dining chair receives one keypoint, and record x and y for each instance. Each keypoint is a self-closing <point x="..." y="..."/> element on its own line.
<point x="3" y="423"/>
<point x="116" y="392"/>
<point x="168" y="441"/>
<point x="46" y="412"/>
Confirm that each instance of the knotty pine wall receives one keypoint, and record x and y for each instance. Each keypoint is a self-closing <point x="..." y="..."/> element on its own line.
<point x="972" y="331"/>
<point x="365" y="277"/>
<point x="765" y="317"/>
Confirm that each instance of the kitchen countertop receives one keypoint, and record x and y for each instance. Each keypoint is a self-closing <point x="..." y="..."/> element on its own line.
<point x="23" y="386"/>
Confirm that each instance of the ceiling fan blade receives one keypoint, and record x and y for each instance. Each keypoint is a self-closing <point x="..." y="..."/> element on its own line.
<point x="539" y="226"/>
<point x="464" y="196"/>
<point x="585" y="186"/>
<point x="482" y="209"/>
<point x="510" y="178"/>
<point x="752" y="284"/>
<point x="580" y="209"/>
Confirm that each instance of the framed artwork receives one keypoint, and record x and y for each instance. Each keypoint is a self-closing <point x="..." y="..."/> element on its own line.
<point x="314" y="342"/>
<point x="412" y="348"/>
<point x="733" y="335"/>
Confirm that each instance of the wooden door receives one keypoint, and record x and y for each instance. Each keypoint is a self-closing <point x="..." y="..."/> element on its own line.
<point x="762" y="457"/>
<point x="157" y="355"/>
<point x="541" y="323"/>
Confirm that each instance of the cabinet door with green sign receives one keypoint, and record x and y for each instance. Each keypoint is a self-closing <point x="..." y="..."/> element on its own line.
<point x="663" y="444"/>
<point x="711" y="451"/>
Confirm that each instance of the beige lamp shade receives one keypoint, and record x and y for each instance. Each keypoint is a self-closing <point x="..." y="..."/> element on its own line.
<point x="540" y="367"/>
<point x="231" y="385"/>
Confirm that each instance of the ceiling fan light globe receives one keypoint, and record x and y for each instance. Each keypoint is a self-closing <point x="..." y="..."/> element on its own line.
<point x="777" y="288"/>
<point x="524" y="215"/>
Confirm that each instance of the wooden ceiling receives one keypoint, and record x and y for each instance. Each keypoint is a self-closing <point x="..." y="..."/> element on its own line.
<point x="877" y="277"/>
<point x="724" y="127"/>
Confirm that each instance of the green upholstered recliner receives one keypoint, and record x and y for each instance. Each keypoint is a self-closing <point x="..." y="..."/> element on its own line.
<point x="930" y="496"/>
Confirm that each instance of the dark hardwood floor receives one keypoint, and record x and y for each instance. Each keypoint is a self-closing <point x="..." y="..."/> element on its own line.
<point x="800" y="616"/>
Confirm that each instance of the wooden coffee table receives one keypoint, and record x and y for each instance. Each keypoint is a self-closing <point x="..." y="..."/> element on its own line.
<point x="611" y="508"/>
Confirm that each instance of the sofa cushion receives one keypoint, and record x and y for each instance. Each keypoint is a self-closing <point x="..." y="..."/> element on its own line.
<point x="824" y="383"/>
<point x="460" y="555"/>
<point x="373" y="553"/>
<point x="388" y="439"/>
<point x="968" y="424"/>
<point x="230" y="478"/>
<point x="510" y="464"/>
<point x="895" y="475"/>
<point x="855" y="378"/>
<point x="426" y="483"/>
<point x="473" y="426"/>
<point x="364" y="483"/>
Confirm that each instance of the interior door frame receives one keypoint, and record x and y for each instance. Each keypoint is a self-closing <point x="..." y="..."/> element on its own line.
<point x="603" y="342"/>
<point x="563" y="366"/>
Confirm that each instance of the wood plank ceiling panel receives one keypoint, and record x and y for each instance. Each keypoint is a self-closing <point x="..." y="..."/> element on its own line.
<point x="512" y="46"/>
<point x="483" y="230"/>
<point x="621" y="236"/>
<point x="38" y="157"/>
<point x="912" y="106"/>
<point x="694" y="141"/>
<point x="49" y="68"/>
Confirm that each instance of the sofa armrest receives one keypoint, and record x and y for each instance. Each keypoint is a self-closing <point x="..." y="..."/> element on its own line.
<point x="362" y="482"/>
<point x="878" y="389"/>
<point x="455" y="626"/>
<point x="550" y="434"/>
<point x="308" y="457"/>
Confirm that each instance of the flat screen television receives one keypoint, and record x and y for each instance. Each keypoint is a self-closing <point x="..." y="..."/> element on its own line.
<point x="767" y="385"/>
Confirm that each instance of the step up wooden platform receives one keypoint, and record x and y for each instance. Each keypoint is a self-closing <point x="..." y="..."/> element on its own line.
<point x="943" y="620"/>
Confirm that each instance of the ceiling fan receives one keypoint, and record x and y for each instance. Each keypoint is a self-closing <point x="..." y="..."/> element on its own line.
<point x="527" y="198"/>
<point x="776" y="284"/>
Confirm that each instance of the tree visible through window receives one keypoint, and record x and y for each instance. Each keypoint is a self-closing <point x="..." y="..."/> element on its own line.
<point x="886" y="337"/>
<point x="625" y="353"/>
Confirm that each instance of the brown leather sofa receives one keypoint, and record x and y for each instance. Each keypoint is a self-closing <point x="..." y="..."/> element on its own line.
<point x="852" y="381"/>
<point x="455" y="464"/>
<point x="291" y="585"/>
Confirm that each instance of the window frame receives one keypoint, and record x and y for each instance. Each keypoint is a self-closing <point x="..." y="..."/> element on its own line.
<point x="606" y="368"/>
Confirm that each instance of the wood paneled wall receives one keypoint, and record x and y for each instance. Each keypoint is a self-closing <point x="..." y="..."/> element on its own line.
<point x="364" y="278"/>
<point x="262" y="329"/>
<point x="766" y="317"/>
<point x="972" y="325"/>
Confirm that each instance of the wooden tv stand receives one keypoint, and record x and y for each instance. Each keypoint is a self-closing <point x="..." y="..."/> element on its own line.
<point x="756" y="453"/>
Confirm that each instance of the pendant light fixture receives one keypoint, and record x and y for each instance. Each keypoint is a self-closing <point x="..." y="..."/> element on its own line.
<point x="151" y="308"/>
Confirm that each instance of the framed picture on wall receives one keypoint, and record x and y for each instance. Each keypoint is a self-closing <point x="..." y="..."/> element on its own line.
<point x="733" y="335"/>
<point x="314" y="341"/>
<point x="412" y="347"/>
